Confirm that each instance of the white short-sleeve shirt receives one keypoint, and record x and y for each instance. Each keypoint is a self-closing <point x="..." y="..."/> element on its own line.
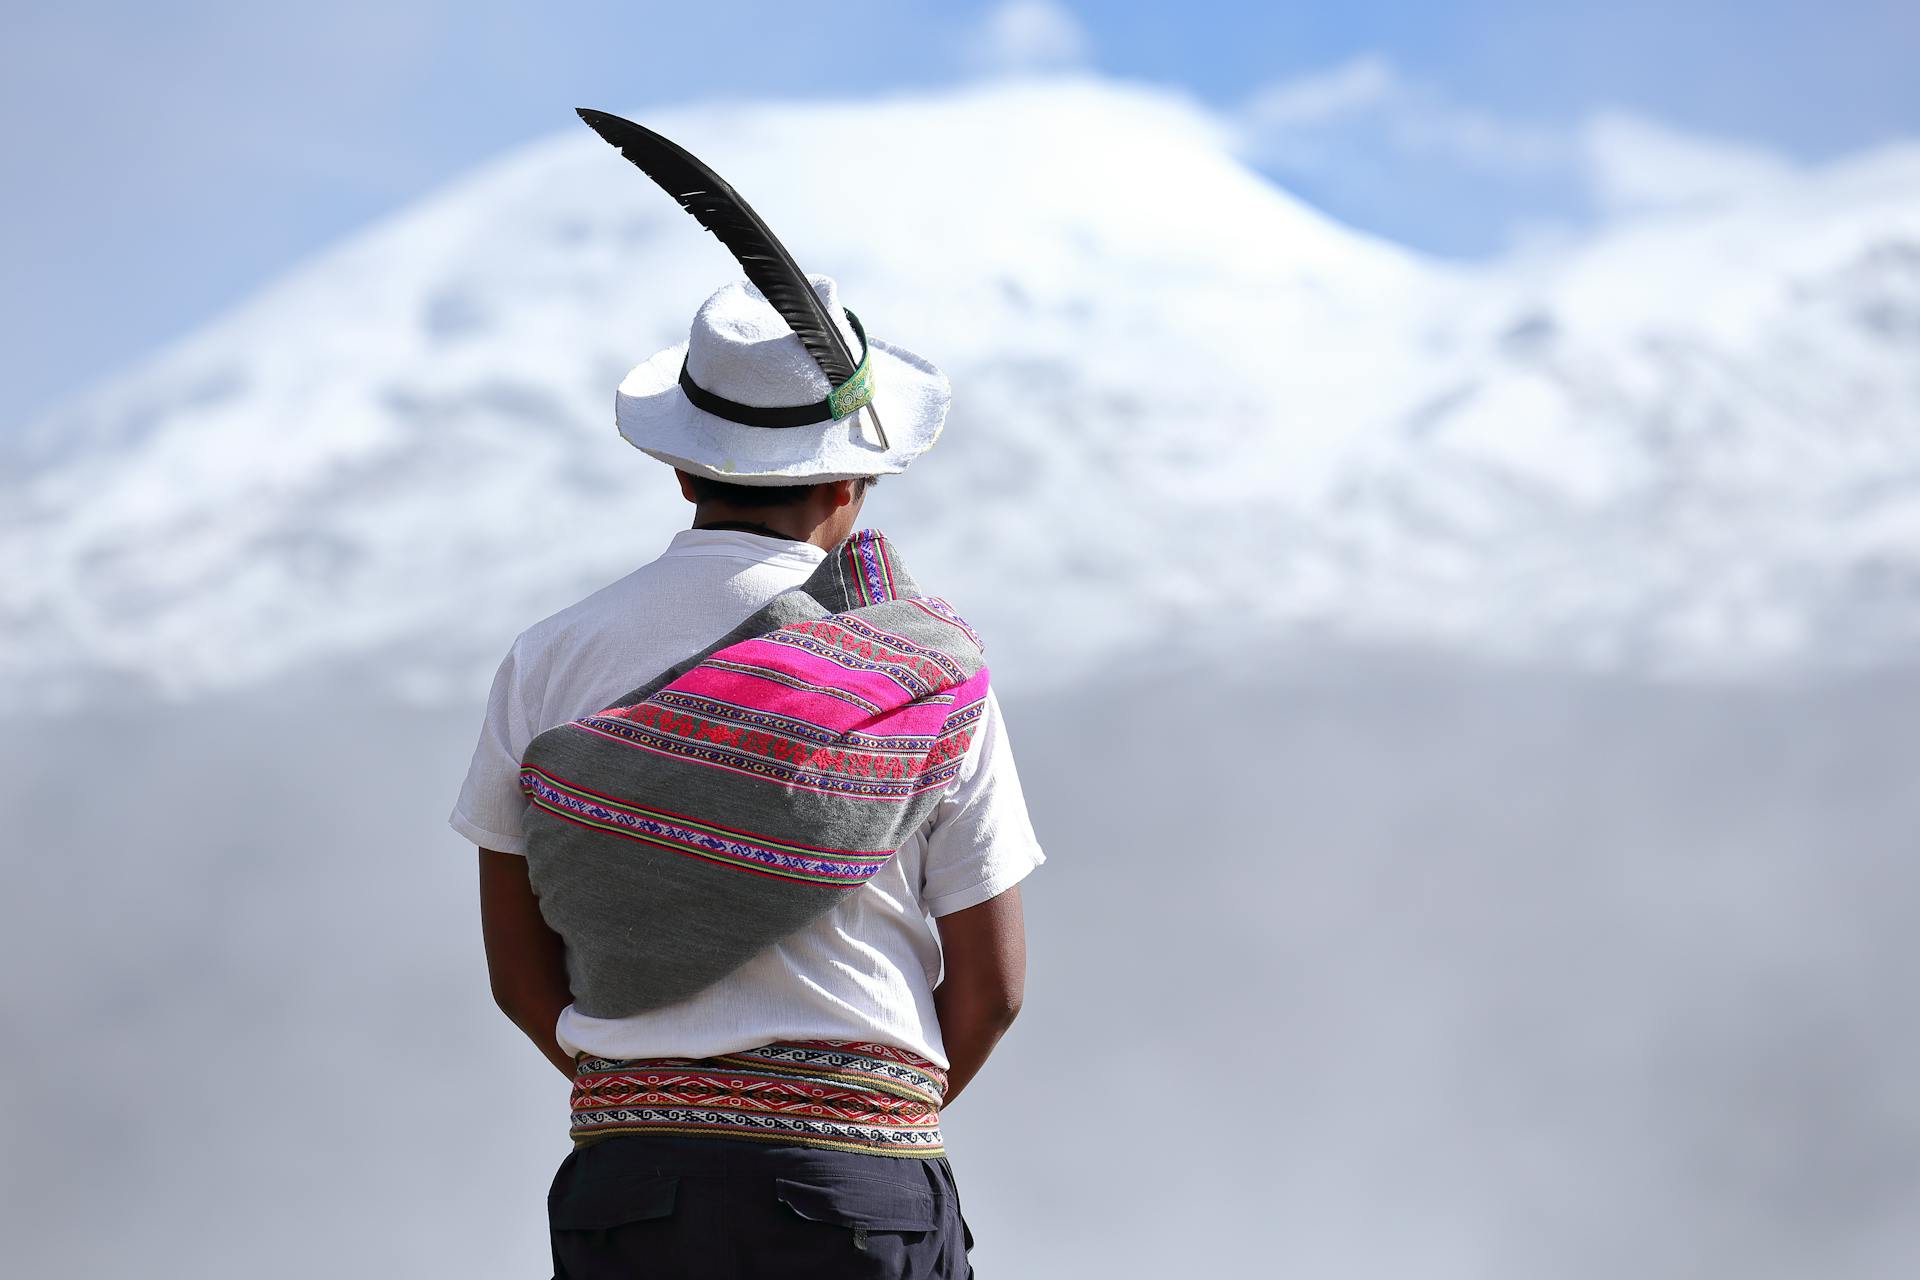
<point x="864" y="971"/>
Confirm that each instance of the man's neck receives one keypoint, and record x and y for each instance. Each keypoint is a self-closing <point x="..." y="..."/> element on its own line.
<point x="747" y="526"/>
<point x="794" y="524"/>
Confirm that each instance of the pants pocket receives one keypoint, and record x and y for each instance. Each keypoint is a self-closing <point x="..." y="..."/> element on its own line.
<point x="848" y="1225"/>
<point x="609" y="1227"/>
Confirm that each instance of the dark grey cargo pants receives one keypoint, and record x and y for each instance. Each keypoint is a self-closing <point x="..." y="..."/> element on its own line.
<point x="674" y="1208"/>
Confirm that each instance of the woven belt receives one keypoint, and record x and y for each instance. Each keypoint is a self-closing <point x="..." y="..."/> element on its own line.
<point x="843" y="1095"/>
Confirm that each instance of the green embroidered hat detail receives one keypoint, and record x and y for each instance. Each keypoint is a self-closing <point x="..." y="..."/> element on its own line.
<point x="856" y="393"/>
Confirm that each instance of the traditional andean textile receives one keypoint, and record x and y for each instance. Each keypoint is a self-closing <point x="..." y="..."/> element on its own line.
<point x="740" y="795"/>
<point x="839" y="1094"/>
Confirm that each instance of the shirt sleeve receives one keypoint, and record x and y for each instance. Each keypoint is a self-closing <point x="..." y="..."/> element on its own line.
<point x="491" y="810"/>
<point x="980" y="841"/>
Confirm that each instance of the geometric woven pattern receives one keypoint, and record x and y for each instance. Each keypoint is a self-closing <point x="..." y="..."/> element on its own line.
<point x="680" y="834"/>
<point x="843" y="1095"/>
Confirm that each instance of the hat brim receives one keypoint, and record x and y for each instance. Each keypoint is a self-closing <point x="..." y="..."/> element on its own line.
<point x="910" y="394"/>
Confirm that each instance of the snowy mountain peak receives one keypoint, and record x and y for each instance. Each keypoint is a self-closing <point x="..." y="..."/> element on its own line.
<point x="1686" y="444"/>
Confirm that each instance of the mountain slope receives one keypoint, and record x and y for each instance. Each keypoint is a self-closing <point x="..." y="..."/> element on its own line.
<point x="1677" y="447"/>
<point x="1689" y="444"/>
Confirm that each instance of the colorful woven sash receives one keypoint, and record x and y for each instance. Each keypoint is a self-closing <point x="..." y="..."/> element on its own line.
<point x="745" y="792"/>
<point x="840" y="1094"/>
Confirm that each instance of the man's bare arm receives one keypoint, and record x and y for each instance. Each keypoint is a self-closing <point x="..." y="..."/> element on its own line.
<point x="526" y="960"/>
<point x="985" y="949"/>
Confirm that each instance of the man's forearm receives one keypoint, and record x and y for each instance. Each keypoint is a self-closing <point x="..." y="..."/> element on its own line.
<point x="535" y="1013"/>
<point x="526" y="960"/>
<point x="970" y="1028"/>
<point x="984" y="953"/>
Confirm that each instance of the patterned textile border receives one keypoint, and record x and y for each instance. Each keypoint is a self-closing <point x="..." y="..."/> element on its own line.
<point x="860" y="774"/>
<point x="843" y="1095"/>
<point x="945" y="612"/>
<point x="679" y="834"/>
<point x="871" y="569"/>
<point x="850" y="641"/>
<point x="733" y="715"/>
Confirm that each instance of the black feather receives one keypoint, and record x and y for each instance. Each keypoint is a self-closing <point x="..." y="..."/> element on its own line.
<point x="707" y="196"/>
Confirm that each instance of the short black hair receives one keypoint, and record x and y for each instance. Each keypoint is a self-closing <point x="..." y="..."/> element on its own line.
<point x="706" y="489"/>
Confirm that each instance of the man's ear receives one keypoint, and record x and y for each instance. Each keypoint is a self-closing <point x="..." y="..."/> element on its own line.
<point x="843" y="493"/>
<point x="686" y="486"/>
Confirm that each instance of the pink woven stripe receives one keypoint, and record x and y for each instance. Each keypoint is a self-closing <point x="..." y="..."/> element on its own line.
<point x="968" y="691"/>
<point x="868" y="678"/>
<point x="754" y="694"/>
<point x="876" y="686"/>
<point x="742" y="690"/>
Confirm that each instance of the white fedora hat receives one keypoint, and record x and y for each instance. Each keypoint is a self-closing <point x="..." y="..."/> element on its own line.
<point x="743" y="401"/>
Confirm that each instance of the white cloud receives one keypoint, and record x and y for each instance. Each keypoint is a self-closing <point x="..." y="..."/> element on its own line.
<point x="1030" y="35"/>
<point x="1488" y="142"/>
<point x="1351" y="87"/>
<point x="1291" y="122"/>
<point x="1633" y="165"/>
<point x="1365" y="134"/>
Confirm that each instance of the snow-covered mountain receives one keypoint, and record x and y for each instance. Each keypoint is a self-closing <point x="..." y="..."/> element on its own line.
<point x="1691" y="444"/>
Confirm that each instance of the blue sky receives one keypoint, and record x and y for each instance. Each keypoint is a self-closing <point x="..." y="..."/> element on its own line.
<point x="163" y="160"/>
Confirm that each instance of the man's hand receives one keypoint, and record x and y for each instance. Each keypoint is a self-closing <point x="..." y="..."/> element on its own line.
<point x="985" y="950"/>
<point x="526" y="960"/>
